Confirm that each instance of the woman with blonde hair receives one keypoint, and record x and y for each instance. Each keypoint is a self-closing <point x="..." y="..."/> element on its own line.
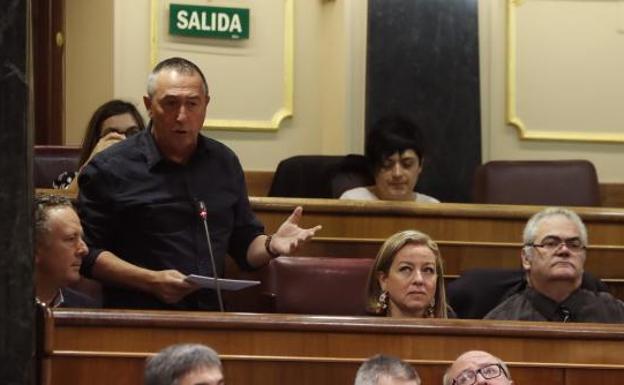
<point x="407" y="278"/>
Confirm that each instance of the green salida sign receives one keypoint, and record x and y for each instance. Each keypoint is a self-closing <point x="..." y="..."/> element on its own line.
<point x="215" y="22"/>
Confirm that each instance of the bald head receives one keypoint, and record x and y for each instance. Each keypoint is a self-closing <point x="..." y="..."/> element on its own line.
<point x="471" y="362"/>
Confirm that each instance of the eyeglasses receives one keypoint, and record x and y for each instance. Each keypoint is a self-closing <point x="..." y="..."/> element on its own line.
<point x="553" y="243"/>
<point x="469" y="377"/>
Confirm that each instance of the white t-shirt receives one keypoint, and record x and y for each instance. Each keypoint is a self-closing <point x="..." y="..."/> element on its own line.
<point x="365" y="193"/>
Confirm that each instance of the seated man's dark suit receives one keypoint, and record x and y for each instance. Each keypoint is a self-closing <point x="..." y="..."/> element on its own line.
<point x="477" y="291"/>
<point x="581" y="306"/>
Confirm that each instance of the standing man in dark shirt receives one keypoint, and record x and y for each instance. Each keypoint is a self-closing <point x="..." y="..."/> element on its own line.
<point x="553" y="258"/>
<point x="138" y="202"/>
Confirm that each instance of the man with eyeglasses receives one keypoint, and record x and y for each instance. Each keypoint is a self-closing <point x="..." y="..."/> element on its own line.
<point x="477" y="367"/>
<point x="553" y="258"/>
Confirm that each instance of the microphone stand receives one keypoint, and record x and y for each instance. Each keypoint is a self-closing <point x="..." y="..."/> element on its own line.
<point x="203" y="215"/>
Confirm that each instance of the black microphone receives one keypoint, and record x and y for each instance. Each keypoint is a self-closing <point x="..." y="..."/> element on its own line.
<point x="203" y="214"/>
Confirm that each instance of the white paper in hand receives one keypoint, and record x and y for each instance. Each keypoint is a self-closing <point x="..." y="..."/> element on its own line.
<point x="225" y="284"/>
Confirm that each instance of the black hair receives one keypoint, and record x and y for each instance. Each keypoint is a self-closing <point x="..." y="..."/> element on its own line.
<point x="94" y="128"/>
<point x="392" y="134"/>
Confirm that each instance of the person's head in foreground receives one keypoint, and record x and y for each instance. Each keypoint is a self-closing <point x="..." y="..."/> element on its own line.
<point x="553" y="255"/>
<point x="113" y="121"/>
<point x="477" y="367"/>
<point x="59" y="247"/>
<point x="395" y="152"/>
<point x="177" y="98"/>
<point x="407" y="278"/>
<point x="386" y="370"/>
<point x="184" y="364"/>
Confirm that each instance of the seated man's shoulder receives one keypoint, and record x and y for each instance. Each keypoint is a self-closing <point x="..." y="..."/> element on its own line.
<point x="603" y="298"/>
<point x="501" y="311"/>
<point x="516" y="307"/>
<point x="74" y="298"/>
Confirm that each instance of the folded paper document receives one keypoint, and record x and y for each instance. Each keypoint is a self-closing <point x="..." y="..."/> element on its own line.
<point x="225" y="284"/>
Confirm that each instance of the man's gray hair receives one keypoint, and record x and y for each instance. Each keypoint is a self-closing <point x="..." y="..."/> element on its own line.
<point x="177" y="64"/>
<point x="380" y="366"/>
<point x="530" y="230"/>
<point x="174" y="362"/>
<point x="43" y="205"/>
<point x="448" y="380"/>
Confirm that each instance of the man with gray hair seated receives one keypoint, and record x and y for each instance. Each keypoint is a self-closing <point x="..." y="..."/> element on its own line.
<point x="553" y="259"/>
<point x="477" y="367"/>
<point x="59" y="249"/>
<point x="386" y="370"/>
<point x="184" y="364"/>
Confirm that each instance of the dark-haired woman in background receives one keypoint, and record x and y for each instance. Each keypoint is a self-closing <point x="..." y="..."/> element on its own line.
<point x="395" y="153"/>
<point x="112" y="122"/>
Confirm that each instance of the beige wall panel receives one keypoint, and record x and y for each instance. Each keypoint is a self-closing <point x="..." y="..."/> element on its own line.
<point x="329" y="73"/>
<point x="501" y="140"/>
<point x="88" y="62"/>
<point x="568" y="55"/>
<point x="329" y="57"/>
<point x="131" y="60"/>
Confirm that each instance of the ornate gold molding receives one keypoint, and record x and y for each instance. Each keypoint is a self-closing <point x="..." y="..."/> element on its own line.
<point x="511" y="113"/>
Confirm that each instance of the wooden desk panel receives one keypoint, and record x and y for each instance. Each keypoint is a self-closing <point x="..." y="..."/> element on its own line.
<point x="444" y="222"/>
<point x="129" y="371"/>
<point x="263" y="349"/>
<point x="469" y="236"/>
<point x="602" y="261"/>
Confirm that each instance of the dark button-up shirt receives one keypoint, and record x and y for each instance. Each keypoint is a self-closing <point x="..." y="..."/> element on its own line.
<point x="143" y="208"/>
<point x="580" y="306"/>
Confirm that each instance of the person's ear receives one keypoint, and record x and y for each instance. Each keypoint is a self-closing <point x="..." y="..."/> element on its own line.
<point x="382" y="277"/>
<point x="147" y="102"/>
<point x="526" y="258"/>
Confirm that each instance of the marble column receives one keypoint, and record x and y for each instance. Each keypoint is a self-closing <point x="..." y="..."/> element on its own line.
<point x="423" y="63"/>
<point x="16" y="267"/>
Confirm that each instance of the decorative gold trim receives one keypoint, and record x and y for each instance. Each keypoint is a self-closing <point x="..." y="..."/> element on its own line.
<point x="512" y="117"/>
<point x="284" y="112"/>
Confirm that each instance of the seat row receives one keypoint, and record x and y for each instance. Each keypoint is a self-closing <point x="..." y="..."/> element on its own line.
<point x="570" y="182"/>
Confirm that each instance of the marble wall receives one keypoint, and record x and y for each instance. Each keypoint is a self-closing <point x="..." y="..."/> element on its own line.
<point x="16" y="268"/>
<point x="423" y="62"/>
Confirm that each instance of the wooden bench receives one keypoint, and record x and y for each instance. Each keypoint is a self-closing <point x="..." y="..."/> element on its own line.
<point x="469" y="235"/>
<point x="104" y="347"/>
